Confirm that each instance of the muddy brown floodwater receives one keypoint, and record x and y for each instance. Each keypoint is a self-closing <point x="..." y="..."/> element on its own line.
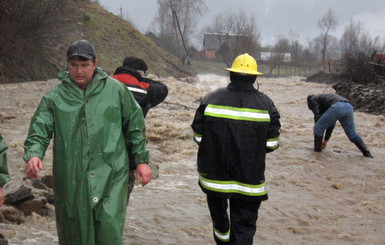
<point x="333" y="197"/>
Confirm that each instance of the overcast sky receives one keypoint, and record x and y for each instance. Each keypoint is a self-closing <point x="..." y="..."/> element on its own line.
<point x="274" y="17"/>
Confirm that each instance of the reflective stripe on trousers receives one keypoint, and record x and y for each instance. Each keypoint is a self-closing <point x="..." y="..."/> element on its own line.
<point x="233" y="187"/>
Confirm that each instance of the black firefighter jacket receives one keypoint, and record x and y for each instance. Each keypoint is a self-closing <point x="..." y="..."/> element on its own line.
<point x="235" y="127"/>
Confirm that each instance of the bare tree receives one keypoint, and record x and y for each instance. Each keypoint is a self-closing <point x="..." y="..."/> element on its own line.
<point x="296" y="50"/>
<point x="281" y="47"/>
<point x="175" y="23"/>
<point x="295" y="47"/>
<point x="309" y="56"/>
<point x="357" y="49"/>
<point x="356" y="40"/>
<point x="327" y="23"/>
<point x="163" y="27"/>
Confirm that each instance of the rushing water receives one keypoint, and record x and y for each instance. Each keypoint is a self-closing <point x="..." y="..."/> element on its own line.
<point x="333" y="197"/>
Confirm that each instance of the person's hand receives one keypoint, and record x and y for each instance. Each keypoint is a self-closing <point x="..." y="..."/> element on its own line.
<point x="324" y="144"/>
<point x="143" y="173"/>
<point x="2" y="197"/>
<point x="33" y="166"/>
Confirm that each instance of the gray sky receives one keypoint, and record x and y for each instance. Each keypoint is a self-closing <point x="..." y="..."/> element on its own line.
<point x="274" y="17"/>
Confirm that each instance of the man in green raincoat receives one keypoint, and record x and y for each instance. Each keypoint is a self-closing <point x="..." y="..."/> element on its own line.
<point x="4" y="175"/>
<point x="92" y="119"/>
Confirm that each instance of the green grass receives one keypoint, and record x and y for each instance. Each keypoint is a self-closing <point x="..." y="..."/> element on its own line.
<point x="209" y="67"/>
<point x="287" y="70"/>
<point x="219" y="68"/>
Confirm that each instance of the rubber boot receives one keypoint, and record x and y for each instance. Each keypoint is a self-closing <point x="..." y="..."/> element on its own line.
<point x="361" y="145"/>
<point x="317" y="143"/>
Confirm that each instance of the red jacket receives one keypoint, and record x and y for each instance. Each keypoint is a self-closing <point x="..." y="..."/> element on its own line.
<point x="148" y="93"/>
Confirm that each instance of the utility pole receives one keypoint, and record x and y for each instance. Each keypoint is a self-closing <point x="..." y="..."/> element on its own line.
<point x="121" y="11"/>
<point x="180" y="32"/>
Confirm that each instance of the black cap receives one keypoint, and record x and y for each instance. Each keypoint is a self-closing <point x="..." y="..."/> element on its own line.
<point x="81" y="48"/>
<point x="136" y="63"/>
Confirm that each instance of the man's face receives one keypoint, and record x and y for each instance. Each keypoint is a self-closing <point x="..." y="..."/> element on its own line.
<point x="81" y="72"/>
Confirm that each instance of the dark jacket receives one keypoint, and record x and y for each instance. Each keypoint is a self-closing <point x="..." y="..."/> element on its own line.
<point x="320" y="103"/>
<point x="235" y="127"/>
<point x="148" y="93"/>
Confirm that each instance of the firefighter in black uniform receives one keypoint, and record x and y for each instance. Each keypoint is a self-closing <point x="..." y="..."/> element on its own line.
<point x="235" y="127"/>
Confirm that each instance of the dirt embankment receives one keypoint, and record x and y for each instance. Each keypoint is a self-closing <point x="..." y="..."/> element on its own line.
<point x="113" y="37"/>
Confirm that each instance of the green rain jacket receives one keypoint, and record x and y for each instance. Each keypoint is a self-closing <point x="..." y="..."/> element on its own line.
<point x="4" y="174"/>
<point x="91" y="131"/>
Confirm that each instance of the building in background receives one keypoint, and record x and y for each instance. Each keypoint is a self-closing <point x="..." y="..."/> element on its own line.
<point x="221" y="47"/>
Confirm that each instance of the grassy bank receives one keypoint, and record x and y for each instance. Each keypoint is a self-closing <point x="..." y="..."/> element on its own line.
<point x="207" y="67"/>
<point x="113" y="38"/>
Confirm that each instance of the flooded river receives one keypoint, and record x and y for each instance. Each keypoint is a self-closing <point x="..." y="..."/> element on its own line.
<point x="333" y="197"/>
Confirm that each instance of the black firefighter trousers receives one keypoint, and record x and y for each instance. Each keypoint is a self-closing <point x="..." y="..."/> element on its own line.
<point x="241" y="227"/>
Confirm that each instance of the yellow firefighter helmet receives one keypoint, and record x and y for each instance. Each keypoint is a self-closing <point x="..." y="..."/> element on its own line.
<point x="245" y="65"/>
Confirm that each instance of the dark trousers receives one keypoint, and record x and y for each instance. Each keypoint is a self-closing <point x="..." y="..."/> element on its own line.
<point x="131" y="177"/>
<point x="241" y="227"/>
<point x="131" y="183"/>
